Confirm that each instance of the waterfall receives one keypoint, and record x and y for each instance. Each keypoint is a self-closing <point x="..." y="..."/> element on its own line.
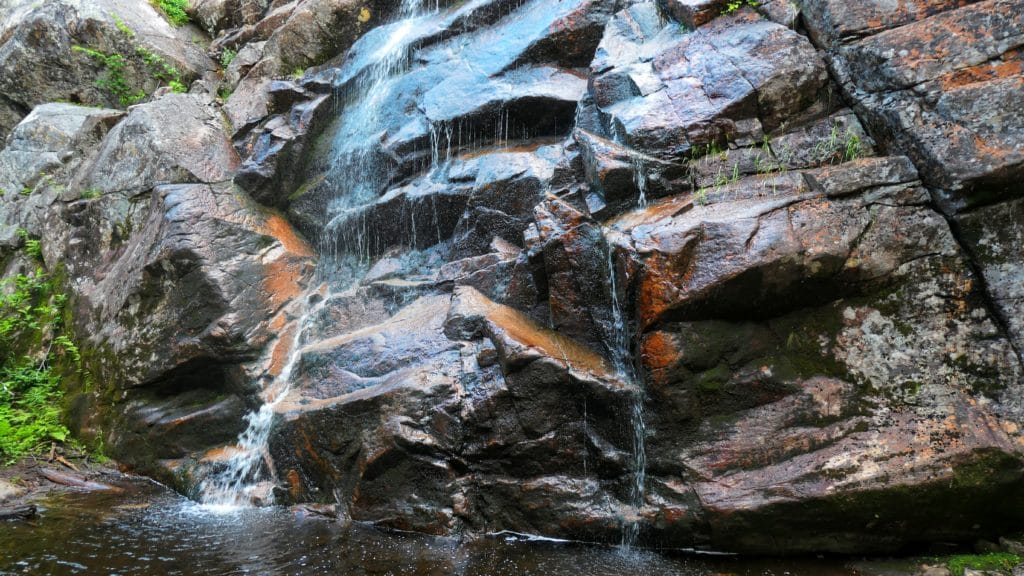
<point x="245" y="476"/>
<point x="623" y="362"/>
<point x="366" y="85"/>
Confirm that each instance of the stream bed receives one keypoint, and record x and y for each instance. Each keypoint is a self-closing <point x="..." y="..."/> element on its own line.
<point x="153" y="531"/>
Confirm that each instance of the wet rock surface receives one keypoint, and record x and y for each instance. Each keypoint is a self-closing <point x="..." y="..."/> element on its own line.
<point x="762" y="263"/>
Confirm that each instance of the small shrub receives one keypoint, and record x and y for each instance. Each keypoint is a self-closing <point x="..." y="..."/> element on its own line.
<point x="735" y="5"/>
<point x="227" y="57"/>
<point x="113" y="79"/>
<point x="174" y="10"/>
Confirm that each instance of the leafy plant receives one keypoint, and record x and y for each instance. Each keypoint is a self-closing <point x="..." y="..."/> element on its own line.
<point x="30" y="391"/>
<point x="854" y="149"/>
<point x="90" y="193"/>
<point x="174" y="10"/>
<point x="227" y="57"/>
<point x="114" y="64"/>
<point x="113" y="79"/>
<point x="33" y="248"/>
<point x="734" y="5"/>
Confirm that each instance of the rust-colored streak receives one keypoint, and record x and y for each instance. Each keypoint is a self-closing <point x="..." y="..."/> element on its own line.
<point x="279" y="228"/>
<point x="282" y="349"/>
<point x="295" y="488"/>
<point x="282" y="281"/>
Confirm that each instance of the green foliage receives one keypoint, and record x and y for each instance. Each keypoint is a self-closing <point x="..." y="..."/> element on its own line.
<point x="157" y="66"/>
<point x="227" y="57"/>
<point x="174" y="10"/>
<point x="854" y="149"/>
<point x="29" y="409"/>
<point x="90" y="193"/>
<point x="298" y="73"/>
<point x="734" y="5"/>
<point x="26" y="190"/>
<point x="31" y="315"/>
<point x="33" y="248"/>
<point x="123" y="27"/>
<point x="113" y="79"/>
<point x="992" y="561"/>
<point x="837" y="148"/>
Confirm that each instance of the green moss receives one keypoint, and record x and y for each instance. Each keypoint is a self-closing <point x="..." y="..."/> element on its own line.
<point x="992" y="561"/>
<point x="713" y="380"/>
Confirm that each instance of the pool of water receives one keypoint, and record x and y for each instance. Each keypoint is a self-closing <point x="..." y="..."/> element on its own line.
<point x="153" y="531"/>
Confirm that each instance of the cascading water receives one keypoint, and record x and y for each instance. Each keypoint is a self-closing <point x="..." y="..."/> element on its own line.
<point x="359" y="172"/>
<point x="242" y="479"/>
<point x="244" y="476"/>
<point x="622" y="360"/>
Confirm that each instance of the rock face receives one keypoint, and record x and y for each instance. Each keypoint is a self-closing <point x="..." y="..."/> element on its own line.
<point x="667" y="273"/>
<point x="41" y="64"/>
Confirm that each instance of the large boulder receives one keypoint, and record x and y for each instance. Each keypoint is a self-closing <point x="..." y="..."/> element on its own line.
<point x="954" y="114"/>
<point x="822" y="349"/>
<point x="41" y="154"/>
<point x="179" y="307"/>
<point x="669" y="93"/>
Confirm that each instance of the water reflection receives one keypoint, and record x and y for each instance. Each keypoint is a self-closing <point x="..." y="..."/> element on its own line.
<point x="155" y="532"/>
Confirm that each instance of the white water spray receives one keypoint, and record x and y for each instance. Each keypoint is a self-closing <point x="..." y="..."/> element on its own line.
<point x="247" y="475"/>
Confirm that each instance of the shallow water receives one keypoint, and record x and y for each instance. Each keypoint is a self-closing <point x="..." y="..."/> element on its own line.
<point x="153" y="531"/>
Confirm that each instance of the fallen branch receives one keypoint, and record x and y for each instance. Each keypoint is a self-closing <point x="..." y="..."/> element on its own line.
<point x="76" y="481"/>
<point x="65" y="462"/>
